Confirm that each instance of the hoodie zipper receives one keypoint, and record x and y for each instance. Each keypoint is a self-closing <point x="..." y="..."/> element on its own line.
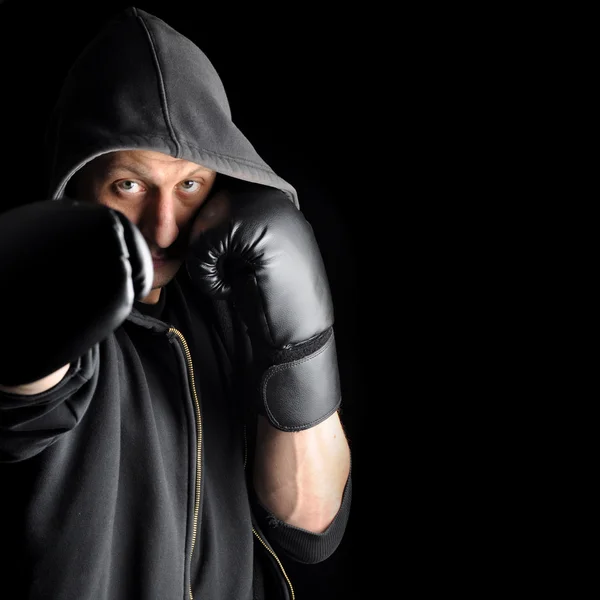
<point x="264" y="544"/>
<point x="277" y="560"/>
<point x="190" y="367"/>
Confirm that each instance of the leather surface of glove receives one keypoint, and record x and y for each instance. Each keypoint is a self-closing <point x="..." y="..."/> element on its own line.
<point x="70" y="272"/>
<point x="255" y="244"/>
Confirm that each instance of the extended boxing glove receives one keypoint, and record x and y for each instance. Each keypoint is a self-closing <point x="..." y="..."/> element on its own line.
<point x="255" y="244"/>
<point x="69" y="273"/>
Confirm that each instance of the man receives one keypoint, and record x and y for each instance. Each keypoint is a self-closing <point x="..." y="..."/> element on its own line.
<point x="169" y="395"/>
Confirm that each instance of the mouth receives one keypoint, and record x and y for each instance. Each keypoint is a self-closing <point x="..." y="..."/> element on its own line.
<point x="157" y="261"/>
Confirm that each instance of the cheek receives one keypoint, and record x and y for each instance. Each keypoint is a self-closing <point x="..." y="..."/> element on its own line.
<point x="186" y="213"/>
<point x="128" y="210"/>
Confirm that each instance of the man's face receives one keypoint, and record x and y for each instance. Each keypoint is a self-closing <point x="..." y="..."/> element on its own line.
<point x="158" y="193"/>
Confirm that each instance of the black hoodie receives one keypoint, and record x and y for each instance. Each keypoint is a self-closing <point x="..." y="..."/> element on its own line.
<point x="129" y="480"/>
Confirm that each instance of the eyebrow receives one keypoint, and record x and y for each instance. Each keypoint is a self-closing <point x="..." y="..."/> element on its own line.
<point x="142" y="172"/>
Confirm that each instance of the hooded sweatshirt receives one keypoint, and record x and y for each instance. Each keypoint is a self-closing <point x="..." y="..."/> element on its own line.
<point x="129" y="480"/>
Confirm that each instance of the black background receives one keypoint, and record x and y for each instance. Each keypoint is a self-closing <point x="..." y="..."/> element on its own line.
<point x="302" y="88"/>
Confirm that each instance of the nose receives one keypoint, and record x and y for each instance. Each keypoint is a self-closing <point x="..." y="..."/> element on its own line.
<point x="159" y="223"/>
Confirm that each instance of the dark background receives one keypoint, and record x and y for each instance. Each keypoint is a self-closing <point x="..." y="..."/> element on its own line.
<point x="301" y="88"/>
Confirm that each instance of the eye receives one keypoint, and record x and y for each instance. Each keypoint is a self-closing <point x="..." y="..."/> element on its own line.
<point x="190" y="186"/>
<point x="128" y="186"/>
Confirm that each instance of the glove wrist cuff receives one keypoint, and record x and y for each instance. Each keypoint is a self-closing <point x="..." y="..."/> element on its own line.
<point x="302" y="393"/>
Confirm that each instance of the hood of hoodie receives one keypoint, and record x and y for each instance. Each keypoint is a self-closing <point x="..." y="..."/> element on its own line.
<point x="141" y="85"/>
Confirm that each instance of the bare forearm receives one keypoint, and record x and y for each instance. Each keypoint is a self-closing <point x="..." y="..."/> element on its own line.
<point x="39" y="386"/>
<point x="300" y="476"/>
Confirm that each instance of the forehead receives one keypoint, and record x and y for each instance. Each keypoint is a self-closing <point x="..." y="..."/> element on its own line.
<point x="144" y="163"/>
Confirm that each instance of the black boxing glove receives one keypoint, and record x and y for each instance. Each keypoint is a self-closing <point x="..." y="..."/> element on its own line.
<point x="255" y="244"/>
<point x="69" y="273"/>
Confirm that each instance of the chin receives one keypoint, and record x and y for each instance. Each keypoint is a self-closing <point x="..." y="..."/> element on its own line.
<point x="165" y="273"/>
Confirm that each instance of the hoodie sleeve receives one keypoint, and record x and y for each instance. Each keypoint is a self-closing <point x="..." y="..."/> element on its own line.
<point x="29" y="424"/>
<point x="299" y="544"/>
